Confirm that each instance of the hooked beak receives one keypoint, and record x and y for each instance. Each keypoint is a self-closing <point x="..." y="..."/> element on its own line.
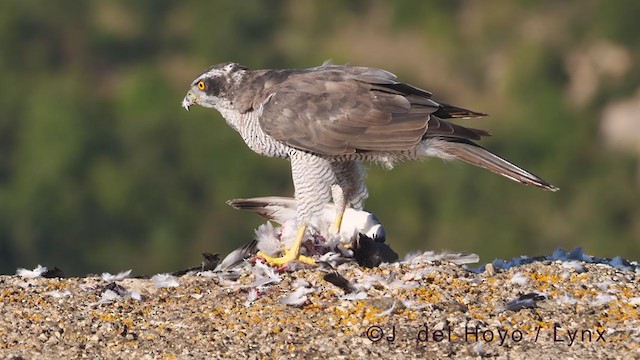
<point x="189" y="100"/>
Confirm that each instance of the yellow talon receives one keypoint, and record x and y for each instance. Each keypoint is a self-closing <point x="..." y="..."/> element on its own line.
<point x="286" y="258"/>
<point x="292" y="254"/>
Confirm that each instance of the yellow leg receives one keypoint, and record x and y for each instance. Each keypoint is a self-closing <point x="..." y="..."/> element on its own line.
<point x="337" y="193"/>
<point x="335" y="228"/>
<point x="292" y="254"/>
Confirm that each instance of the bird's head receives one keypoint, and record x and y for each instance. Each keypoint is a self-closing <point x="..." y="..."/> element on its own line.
<point x="210" y="88"/>
<point x="377" y="233"/>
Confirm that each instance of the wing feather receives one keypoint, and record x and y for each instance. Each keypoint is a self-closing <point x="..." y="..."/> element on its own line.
<point x="336" y="110"/>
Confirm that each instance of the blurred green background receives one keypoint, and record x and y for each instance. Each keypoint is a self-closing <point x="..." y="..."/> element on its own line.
<point x="102" y="170"/>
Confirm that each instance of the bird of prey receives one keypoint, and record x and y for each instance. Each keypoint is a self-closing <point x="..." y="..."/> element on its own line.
<point x="284" y="210"/>
<point x="328" y="120"/>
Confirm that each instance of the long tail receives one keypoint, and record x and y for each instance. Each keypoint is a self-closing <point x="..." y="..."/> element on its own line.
<point x="276" y="208"/>
<point x="474" y="154"/>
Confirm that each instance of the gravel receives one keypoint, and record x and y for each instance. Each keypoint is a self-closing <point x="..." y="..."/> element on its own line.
<point x="418" y="309"/>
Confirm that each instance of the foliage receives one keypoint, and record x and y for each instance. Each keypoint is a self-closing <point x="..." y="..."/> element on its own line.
<point x="100" y="168"/>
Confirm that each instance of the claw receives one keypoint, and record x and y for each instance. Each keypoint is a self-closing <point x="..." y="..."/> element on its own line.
<point x="288" y="257"/>
<point x="292" y="254"/>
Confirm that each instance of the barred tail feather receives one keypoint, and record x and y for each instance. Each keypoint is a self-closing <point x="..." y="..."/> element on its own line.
<point x="469" y="152"/>
<point x="274" y="208"/>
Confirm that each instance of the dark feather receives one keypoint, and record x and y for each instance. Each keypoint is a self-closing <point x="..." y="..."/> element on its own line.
<point x="370" y="253"/>
<point x="237" y="256"/>
<point x="340" y="281"/>
<point x="54" y="273"/>
<point x="446" y="111"/>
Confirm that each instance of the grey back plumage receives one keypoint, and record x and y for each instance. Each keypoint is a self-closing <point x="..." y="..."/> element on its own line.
<point x="337" y="110"/>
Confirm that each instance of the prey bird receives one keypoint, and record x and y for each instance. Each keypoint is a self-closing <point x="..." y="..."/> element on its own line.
<point x="284" y="210"/>
<point x="328" y="120"/>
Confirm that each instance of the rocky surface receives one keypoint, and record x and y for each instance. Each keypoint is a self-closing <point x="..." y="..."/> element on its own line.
<point x="423" y="308"/>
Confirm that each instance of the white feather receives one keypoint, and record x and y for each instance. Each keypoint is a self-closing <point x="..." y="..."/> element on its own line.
<point x="135" y="295"/>
<point x="519" y="279"/>
<point x="389" y="311"/>
<point x="164" y="281"/>
<point x="567" y="299"/>
<point x="361" y="295"/>
<point x="297" y="297"/>
<point x="413" y="305"/>
<point x="107" y="297"/>
<point x="288" y="232"/>
<point x="264" y="275"/>
<point x="31" y="274"/>
<point x="268" y="241"/>
<point x="251" y="297"/>
<point x="634" y="301"/>
<point x="59" y="294"/>
<point x="300" y="282"/>
<point x="602" y="299"/>
<point x="120" y="276"/>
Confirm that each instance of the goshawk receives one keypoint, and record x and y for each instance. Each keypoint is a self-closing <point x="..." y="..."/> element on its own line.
<point x="327" y="120"/>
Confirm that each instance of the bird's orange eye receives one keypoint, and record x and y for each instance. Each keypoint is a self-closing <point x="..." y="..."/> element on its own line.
<point x="201" y="85"/>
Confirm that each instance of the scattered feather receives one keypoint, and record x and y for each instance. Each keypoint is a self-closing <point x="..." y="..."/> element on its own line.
<point x="237" y="256"/>
<point x="119" y="276"/>
<point x="519" y="279"/>
<point x="226" y="282"/>
<point x="208" y="274"/>
<point x="297" y="298"/>
<point x="252" y="296"/>
<point x="211" y="261"/>
<point x="114" y="291"/>
<point x="478" y="348"/>
<point x="59" y="294"/>
<point x="368" y="281"/>
<point x="164" y="281"/>
<point x="413" y="305"/>
<point x="264" y="275"/>
<point x="31" y="274"/>
<point x="577" y="266"/>
<point x="430" y="256"/>
<point x="602" y="299"/>
<point x="334" y="259"/>
<point x="526" y="301"/>
<point x="340" y="281"/>
<point x="604" y="285"/>
<point x="300" y="282"/>
<point x="461" y="258"/>
<point x="635" y="301"/>
<point x="108" y="297"/>
<point x="399" y="284"/>
<point x="361" y="295"/>
<point x="389" y="311"/>
<point x="115" y="287"/>
<point x="135" y="295"/>
<point x="53" y="273"/>
<point x="567" y="299"/>
<point x="411" y="256"/>
<point x="562" y="255"/>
